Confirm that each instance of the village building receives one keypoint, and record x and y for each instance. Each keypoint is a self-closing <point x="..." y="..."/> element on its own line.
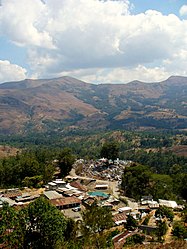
<point x="145" y="200"/>
<point x="101" y="186"/>
<point x="7" y="200"/>
<point x="88" y="201"/>
<point x="170" y="204"/>
<point x="120" y="218"/>
<point x="27" y="198"/>
<point x="71" y="178"/>
<point x="51" y="186"/>
<point x="99" y="195"/>
<point x="79" y="186"/>
<point x="50" y="195"/>
<point x="153" y="204"/>
<point x="113" y="201"/>
<point x="119" y="239"/>
<point x="148" y="229"/>
<point x="12" y="194"/>
<point x="66" y="202"/>
<point x="59" y="183"/>
<point x="125" y="209"/>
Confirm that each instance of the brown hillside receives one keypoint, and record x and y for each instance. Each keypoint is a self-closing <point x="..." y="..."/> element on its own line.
<point x="66" y="103"/>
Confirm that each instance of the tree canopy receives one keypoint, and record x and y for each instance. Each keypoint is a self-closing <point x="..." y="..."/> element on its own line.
<point x="135" y="181"/>
<point x="40" y="225"/>
<point x="164" y="212"/>
<point x="110" y="150"/>
<point x="30" y="168"/>
<point x="65" y="161"/>
<point x="139" y="180"/>
<point x="95" y="220"/>
<point x="131" y="223"/>
<point x="46" y="225"/>
<point x="179" y="230"/>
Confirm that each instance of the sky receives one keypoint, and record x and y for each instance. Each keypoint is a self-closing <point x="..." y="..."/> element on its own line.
<point x="97" y="41"/>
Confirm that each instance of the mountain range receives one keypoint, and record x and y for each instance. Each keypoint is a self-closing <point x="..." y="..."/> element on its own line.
<point x="67" y="103"/>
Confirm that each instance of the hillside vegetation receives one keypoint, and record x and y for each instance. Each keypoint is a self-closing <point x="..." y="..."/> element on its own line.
<point x="70" y="104"/>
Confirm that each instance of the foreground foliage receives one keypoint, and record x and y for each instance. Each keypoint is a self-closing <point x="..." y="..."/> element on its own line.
<point x="172" y="245"/>
<point x="41" y="225"/>
<point x="135" y="239"/>
<point x="96" y="221"/>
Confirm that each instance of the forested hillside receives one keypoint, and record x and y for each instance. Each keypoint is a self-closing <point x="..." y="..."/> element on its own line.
<point x="70" y="104"/>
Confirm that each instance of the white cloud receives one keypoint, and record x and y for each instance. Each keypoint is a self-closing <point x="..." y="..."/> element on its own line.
<point x="140" y="72"/>
<point x="120" y="75"/>
<point x="11" y="72"/>
<point x="183" y="10"/>
<point x="22" y="21"/>
<point x="78" y="36"/>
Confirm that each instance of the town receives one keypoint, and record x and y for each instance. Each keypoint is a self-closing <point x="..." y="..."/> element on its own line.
<point x="99" y="182"/>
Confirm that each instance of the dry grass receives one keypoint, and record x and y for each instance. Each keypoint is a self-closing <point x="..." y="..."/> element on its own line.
<point x="7" y="151"/>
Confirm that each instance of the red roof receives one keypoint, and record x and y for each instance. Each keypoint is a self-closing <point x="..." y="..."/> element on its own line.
<point x="12" y="194"/>
<point x="119" y="217"/>
<point x="120" y="236"/>
<point x="65" y="201"/>
<point x="78" y="185"/>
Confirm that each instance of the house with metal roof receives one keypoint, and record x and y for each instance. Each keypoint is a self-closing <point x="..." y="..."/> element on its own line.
<point x="7" y="200"/>
<point x="51" y="194"/>
<point x="66" y="202"/>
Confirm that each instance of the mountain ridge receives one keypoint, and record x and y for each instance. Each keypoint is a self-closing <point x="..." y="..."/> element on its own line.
<point x="69" y="103"/>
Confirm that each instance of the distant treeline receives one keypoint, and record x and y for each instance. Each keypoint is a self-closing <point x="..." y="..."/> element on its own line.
<point x="88" y="143"/>
<point x="34" y="166"/>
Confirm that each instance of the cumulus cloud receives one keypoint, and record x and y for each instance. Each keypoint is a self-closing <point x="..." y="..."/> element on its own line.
<point x="100" y="35"/>
<point x="120" y="75"/>
<point x="11" y="72"/>
<point x="183" y="10"/>
<point x="22" y="21"/>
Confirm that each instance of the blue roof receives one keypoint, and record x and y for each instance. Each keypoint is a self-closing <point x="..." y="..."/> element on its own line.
<point x="98" y="193"/>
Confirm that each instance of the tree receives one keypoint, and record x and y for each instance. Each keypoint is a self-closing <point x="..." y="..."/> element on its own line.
<point x="179" y="230"/>
<point x="71" y="230"/>
<point x="40" y="225"/>
<point x="184" y="215"/>
<point x="46" y="225"/>
<point x="135" y="239"/>
<point x="33" y="181"/>
<point x="146" y="220"/>
<point x="65" y="161"/>
<point x="131" y="223"/>
<point x="110" y="150"/>
<point x="136" y="181"/>
<point x="175" y="169"/>
<point x="29" y="168"/>
<point x="162" y="229"/>
<point x="161" y="186"/>
<point x="184" y="187"/>
<point x="48" y="172"/>
<point x="95" y="220"/>
<point x="12" y="227"/>
<point x="163" y="212"/>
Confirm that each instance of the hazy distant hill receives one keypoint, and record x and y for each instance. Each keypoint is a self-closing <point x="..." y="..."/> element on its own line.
<point x="68" y="103"/>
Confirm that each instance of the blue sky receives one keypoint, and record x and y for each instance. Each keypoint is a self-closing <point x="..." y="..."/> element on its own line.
<point x="164" y="6"/>
<point x="96" y="41"/>
<point x="13" y="53"/>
